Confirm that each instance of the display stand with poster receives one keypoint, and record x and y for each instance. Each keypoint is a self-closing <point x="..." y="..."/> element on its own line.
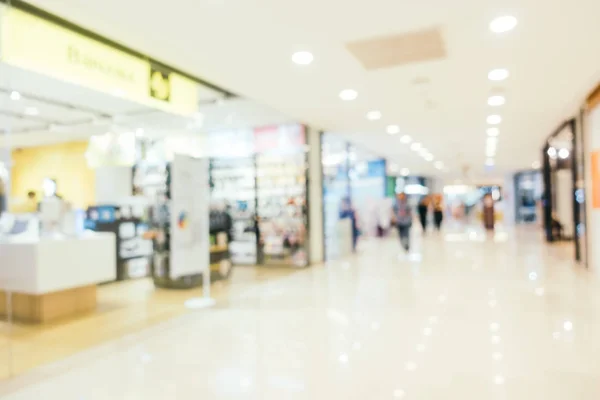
<point x="184" y="248"/>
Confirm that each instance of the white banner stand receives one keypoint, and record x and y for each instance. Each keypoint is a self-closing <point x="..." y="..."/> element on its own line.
<point x="190" y="242"/>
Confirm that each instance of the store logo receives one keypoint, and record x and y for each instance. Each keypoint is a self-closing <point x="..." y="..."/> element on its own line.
<point x="182" y="221"/>
<point x="160" y="83"/>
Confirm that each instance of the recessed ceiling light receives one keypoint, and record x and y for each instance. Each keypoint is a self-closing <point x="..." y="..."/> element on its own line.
<point x="494" y="119"/>
<point x="563" y="154"/>
<point x="374" y="115"/>
<point x="406" y="139"/>
<point x="14" y="95"/>
<point x="428" y="157"/>
<point x="552" y="152"/>
<point x="348" y="94"/>
<point x="496" y="101"/>
<point x="439" y="165"/>
<point x="423" y="151"/>
<point x="393" y="129"/>
<point x="415" y="146"/>
<point x="498" y="74"/>
<point x="405" y="172"/>
<point x="302" y="57"/>
<point x="490" y="152"/>
<point x="503" y="24"/>
<point x="493" y="132"/>
<point x="31" y="111"/>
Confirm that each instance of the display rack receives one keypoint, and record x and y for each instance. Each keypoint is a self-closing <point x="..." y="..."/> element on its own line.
<point x="281" y="209"/>
<point x="233" y="185"/>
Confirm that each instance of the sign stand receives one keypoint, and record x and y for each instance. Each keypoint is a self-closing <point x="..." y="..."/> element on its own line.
<point x="205" y="301"/>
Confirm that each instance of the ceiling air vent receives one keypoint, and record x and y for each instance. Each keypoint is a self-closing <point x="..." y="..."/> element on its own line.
<point x="402" y="49"/>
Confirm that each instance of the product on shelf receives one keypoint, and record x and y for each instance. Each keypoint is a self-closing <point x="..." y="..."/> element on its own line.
<point x="281" y="208"/>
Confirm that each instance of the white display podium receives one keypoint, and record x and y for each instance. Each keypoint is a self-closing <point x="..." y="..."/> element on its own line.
<point x="54" y="277"/>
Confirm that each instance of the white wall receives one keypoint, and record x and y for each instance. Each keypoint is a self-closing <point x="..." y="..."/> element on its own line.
<point x="113" y="184"/>
<point x="509" y="198"/>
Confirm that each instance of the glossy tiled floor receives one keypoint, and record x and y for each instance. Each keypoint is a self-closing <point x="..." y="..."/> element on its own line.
<point x="463" y="317"/>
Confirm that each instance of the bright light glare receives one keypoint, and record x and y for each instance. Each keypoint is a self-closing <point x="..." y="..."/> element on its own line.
<point x="393" y="129"/>
<point x="496" y="101"/>
<point x="348" y="94"/>
<point x="503" y="24"/>
<point x="406" y="139"/>
<point x="302" y="57"/>
<point x="498" y="74"/>
<point x="415" y="146"/>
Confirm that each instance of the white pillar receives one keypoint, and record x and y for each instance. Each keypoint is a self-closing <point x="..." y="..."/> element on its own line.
<point x="315" y="196"/>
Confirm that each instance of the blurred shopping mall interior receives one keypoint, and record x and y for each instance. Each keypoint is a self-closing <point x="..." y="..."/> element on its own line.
<point x="264" y="199"/>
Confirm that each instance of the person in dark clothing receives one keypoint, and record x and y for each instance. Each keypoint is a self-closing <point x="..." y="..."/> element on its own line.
<point x="346" y="211"/>
<point x="423" y="210"/>
<point x="228" y="223"/>
<point x="438" y="211"/>
<point x="403" y="217"/>
<point x="488" y="212"/>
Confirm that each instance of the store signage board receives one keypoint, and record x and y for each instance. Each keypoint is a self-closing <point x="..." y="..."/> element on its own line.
<point x="190" y="241"/>
<point x="279" y="139"/>
<point x="37" y="45"/>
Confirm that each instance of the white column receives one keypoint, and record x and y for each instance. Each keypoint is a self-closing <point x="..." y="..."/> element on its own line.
<point x="315" y="196"/>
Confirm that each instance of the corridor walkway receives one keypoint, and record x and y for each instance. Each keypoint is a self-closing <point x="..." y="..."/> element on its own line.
<point x="463" y="317"/>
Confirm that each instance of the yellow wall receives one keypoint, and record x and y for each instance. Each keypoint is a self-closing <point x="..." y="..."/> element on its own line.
<point x="63" y="162"/>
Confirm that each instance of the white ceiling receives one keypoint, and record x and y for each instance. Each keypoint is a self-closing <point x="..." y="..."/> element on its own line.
<point x="553" y="56"/>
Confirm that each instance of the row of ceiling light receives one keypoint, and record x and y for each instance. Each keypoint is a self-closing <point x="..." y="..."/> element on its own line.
<point x="306" y="58"/>
<point x="498" y="25"/>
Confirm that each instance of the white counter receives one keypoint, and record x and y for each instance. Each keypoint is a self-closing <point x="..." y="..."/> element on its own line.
<point x="44" y="265"/>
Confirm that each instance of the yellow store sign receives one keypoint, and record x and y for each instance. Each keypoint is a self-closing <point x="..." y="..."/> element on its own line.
<point x="32" y="43"/>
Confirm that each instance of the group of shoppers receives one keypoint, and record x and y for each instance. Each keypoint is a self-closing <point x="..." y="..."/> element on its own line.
<point x="403" y="216"/>
<point x="435" y="204"/>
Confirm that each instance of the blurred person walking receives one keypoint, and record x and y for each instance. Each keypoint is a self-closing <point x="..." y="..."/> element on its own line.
<point x="438" y="211"/>
<point x="423" y="210"/>
<point x="347" y="211"/>
<point x="403" y="217"/>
